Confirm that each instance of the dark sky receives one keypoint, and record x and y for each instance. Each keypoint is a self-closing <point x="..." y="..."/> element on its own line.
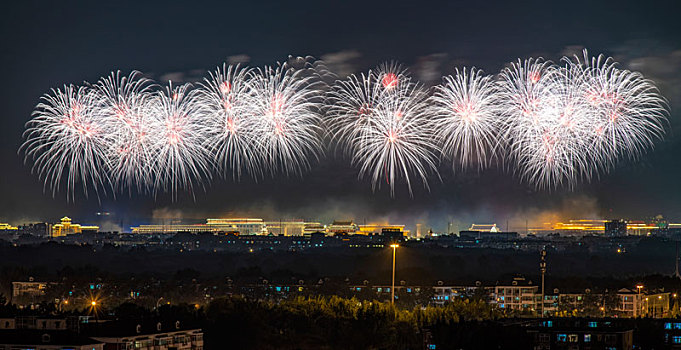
<point x="49" y="43"/>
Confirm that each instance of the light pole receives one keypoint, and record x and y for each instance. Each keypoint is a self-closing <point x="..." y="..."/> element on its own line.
<point x="639" y="287"/>
<point x="542" y="266"/>
<point x="392" y="289"/>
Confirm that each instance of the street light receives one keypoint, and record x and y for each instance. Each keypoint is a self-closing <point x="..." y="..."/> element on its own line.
<point x="639" y="287"/>
<point x="392" y="289"/>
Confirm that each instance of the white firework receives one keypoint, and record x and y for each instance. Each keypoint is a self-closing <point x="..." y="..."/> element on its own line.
<point x="543" y="124"/>
<point x="123" y="104"/>
<point x="66" y="141"/>
<point x="379" y="120"/>
<point x="467" y="119"/>
<point x="286" y="116"/>
<point x="181" y="160"/>
<point x="629" y="114"/>
<point x="230" y="121"/>
<point x="556" y="125"/>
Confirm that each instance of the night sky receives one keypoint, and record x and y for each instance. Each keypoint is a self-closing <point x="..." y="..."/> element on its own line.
<point x="50" y="43"/>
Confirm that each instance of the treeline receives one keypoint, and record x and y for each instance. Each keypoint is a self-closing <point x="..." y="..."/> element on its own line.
<point x="415" y="265"/>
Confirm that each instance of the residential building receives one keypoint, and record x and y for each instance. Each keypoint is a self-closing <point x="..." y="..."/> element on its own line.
<point x="520" y="295"/>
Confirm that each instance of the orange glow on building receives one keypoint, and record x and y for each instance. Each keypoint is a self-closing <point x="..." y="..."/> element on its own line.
<point x="66" y="227"/>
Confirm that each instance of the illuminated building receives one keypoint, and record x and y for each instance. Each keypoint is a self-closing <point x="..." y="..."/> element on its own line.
<point x="170" y="229"/>
<point x="521" y="295"/>
<point x="149" y="336"/>
<point x="484" y="228"/>
<point x="313" y="227"/>
<point x="377" y="229"/>
<point x="4" y="227"/>
<point x="634" y="304"/>
<point x="287" y="228"/>
<point x="580" y="226"/>
<point x="247" y="226"/>
<point x="67" y="228"/>
<point x="598" y="227"/>
<point x="30" y="288"/>
<point x="342" y="227"/>
<point x="640" y="228"/>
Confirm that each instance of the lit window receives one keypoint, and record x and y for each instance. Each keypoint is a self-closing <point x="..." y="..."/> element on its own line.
<point x="572" y="338"/>
<point x="593" y="324"/>
<point x="668" y="325"/>
<point x="676" y="339"/>
<point x="562" y="338"/>
<point x="587" y="338"/>
<point x="677" y="325"/>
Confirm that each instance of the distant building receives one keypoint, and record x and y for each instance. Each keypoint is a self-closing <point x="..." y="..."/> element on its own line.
<point x="616" y="228"/>
<point x="247" y="226"/>
<point x="30" y="288"/>
<point x="66" y="227"/>
<point x="41" y="229"/>
<point x="313" y="228"/>
<point x="286" y="228"/>
<point x="342" y="227"/>
<point x="484" y="227"/>
<point x="4" y="227"/>
<point x="377" y="229"/>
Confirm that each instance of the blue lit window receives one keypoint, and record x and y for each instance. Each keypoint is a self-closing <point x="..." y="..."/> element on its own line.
<point x="562" y="337"/>
<point x="408" y="290"/>
<point x="548" y="323"/>
<point x="501" y="306"/>
<point x="668" y="325"/>
<point x="446" y="297"/>
<point x="379" y="289"/>
<point x="432" y="346"/>
<point x="587" y="338"/>
<point x="676" y="339"/>
<point x="593" y="324"/>
<point x="278" y="289"/>
<point x="501" y="298"/>
<point x="387" y="290"/>
<point x="677" y="325"/>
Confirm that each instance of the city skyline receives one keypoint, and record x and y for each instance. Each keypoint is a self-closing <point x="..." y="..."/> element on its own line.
<point x="643" y="188"/>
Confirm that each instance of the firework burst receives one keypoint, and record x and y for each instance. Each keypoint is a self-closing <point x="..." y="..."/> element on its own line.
<point x="466" y="118"/>
<point x="66" y="141"/>
<point x="379" y="121"/>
